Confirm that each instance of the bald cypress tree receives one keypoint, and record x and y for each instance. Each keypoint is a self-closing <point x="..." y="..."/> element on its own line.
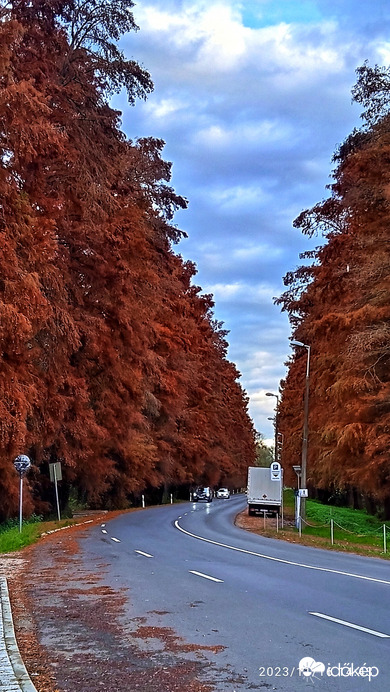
<point x="111" y="362"/>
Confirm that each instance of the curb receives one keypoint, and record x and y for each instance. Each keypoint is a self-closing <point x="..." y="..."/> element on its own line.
<point x="11" y="647"/>
<point x="71" y="526"/>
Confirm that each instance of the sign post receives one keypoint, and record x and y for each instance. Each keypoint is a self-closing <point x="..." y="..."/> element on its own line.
<point x="22" y="464"/>
<point x="56" y="475"/>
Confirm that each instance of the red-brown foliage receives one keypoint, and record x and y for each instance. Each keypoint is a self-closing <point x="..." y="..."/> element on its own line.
<point x="110" y="359"/>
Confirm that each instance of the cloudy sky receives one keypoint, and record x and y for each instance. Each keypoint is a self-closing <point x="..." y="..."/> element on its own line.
<point x="251" y="97"/>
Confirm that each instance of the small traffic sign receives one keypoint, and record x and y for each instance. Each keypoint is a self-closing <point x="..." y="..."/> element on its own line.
<point x="276" y="471"/>
<point x="22" y="464"/>
<point x="55" y="472"/>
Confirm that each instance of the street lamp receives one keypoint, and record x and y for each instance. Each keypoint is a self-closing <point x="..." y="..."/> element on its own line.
<point x="305" y="425"/>
<point x="276" y="421"/>
<point x="297" y="470"/>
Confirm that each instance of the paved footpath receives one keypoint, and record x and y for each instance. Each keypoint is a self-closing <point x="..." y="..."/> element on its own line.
<point x="13" y="673"/>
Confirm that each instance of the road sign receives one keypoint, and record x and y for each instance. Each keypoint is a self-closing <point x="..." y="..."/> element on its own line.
<point x="22" y="464"/>
<point x="56" y="475"/>
<point x="276" y="471"/>
<point x="303" y="492"/>
<point x="55" y="472"/>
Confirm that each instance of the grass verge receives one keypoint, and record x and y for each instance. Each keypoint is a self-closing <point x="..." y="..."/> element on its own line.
<point x="354" y="530"/>
<point x="32" y="529"/>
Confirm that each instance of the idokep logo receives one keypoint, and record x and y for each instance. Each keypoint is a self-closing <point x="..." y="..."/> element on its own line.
<point x="310" y="668"/>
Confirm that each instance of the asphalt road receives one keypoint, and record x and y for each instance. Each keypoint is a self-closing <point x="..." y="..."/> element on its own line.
<point x="258" y="606"/>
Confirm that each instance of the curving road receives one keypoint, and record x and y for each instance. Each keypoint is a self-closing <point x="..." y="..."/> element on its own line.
<point x="258" y="606"/>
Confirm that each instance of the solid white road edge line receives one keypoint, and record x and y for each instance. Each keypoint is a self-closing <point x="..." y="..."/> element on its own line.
<point x="279" y="559"/>
<point x="115" y="539"/>
<point x="205" y="576"/>
<point x="350" y="624"/>
<point x="142" y="553"/>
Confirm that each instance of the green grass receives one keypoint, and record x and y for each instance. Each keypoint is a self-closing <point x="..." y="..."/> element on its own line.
<point x="355" y="520"/>
<point x="288" y="498"/>
<point x="354" y="530"/>
<point x="11" y="539"/>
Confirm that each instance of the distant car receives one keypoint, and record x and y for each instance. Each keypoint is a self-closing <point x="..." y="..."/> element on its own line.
<point x="202" y="494"/>
<point x="223" y="493"/>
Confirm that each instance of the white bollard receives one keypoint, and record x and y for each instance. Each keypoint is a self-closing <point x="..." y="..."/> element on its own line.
<point x="143" y="501"/>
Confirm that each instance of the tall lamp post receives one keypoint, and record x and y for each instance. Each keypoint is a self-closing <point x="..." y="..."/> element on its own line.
<point x="305" y="426"/>
<point x="276" y="422"/>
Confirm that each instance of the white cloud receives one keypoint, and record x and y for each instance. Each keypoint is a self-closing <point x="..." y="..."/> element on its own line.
<point x="256" y="251"/>
<point x="165" y="107"/>
<point x="246" y="293"/>
<point x="225" y="38"/>
<point x="233" y="199"/>
<point x="384" y="53"/>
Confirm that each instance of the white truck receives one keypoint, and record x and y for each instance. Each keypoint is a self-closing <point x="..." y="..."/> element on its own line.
<point x="265" y="486"/>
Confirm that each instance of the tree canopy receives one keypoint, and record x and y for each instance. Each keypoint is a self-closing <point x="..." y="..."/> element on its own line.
<point x="111" y="360"/>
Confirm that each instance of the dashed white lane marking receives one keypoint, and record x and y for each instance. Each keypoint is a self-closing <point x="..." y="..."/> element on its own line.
<point x="350" y="624"/>
<point x="279" y="559"/>
<point x="104" y="531"/>
<point x="115" y="539"/>
<point x="102" y="525"/>
<point x="205" y="576"/>
<point x="142" y="553"/>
